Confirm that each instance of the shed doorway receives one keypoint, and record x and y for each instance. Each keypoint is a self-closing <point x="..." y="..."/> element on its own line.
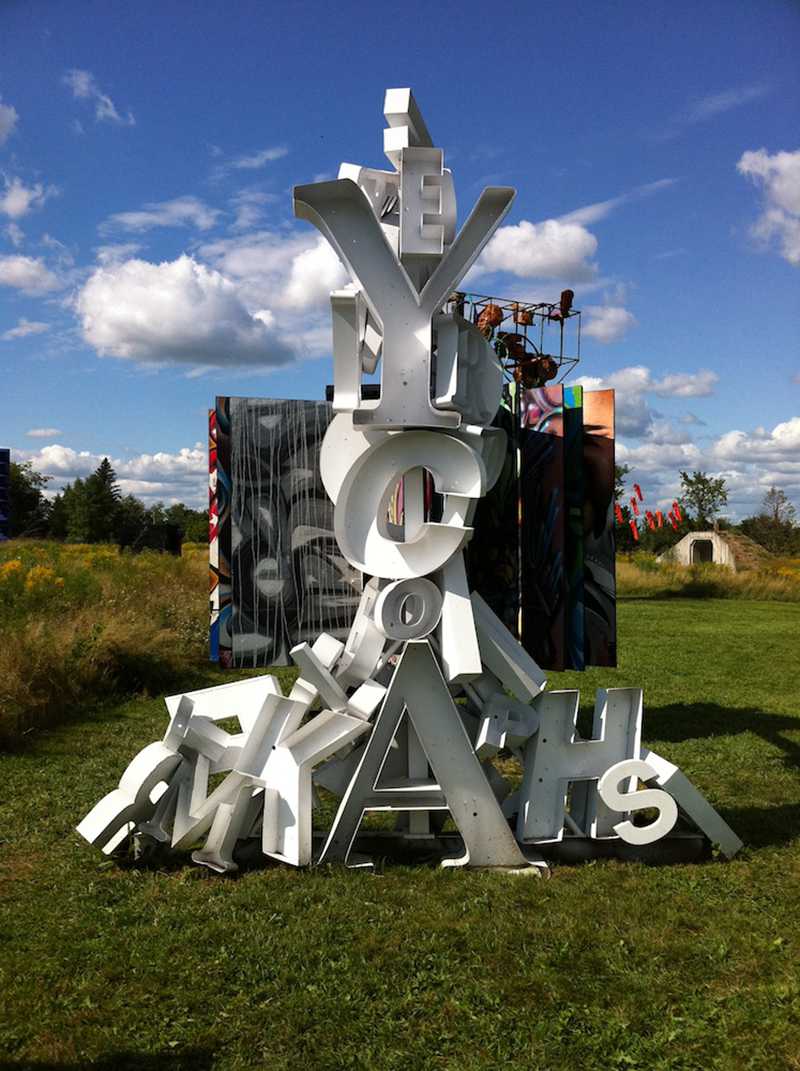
<point x="702" y="551"/>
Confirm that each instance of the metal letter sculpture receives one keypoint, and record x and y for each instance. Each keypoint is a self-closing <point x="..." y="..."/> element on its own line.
<point x="429" y="684"/>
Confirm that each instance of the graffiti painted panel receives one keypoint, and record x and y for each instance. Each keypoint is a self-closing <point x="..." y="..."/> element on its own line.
<point x="5" y="495"/>
<point x="573" y="545"/>
<point x="600" y="609"/>
<point x="289" y="579"/>
<point x="543" y="517"/>
<point x="219" y="542"/>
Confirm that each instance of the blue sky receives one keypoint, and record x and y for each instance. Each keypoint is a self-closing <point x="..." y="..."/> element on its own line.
<point x="149" y="258"/>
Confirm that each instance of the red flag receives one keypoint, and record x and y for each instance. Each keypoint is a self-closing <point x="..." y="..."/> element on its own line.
<point x="634" y="530"/>
<point x="638" y="491"/>
<point x="651" y="524"/>
<point x="671" y="519"/>
<point x="635" y="506"/>
<point x="676" y="509"/>
<point x="618" y="513"/>
<point x="660" y="518"/>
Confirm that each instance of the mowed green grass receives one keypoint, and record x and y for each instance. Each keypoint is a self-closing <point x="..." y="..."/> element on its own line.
<point x="602" y="966"/>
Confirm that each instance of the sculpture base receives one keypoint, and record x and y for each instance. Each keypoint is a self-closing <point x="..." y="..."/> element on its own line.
<point x="402" y="849"/>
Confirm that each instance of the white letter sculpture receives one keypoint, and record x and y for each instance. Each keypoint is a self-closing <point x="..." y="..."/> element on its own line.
<point x="389" y="735"/>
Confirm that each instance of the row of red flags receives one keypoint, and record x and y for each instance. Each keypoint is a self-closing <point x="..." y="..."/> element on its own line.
<point x="653" y="520"/>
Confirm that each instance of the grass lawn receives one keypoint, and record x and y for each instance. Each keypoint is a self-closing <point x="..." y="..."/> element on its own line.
<point x="601" y="966"/>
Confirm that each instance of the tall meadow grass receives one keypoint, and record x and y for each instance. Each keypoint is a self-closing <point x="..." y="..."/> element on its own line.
<point x="84" y="624"/>
<point x="81" y="624"/>
<point x="640" y="575"/>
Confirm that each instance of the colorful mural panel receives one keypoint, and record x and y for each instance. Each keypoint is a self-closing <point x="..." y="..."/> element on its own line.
<point x="543" y="521"/>
<point x="600" y="590"/>
<point x="219" y="532"/>
<point x="5" y="495"/>
<point x="542" y="553"/>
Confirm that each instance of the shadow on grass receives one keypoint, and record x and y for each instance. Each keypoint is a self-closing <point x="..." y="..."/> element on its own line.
<point x="765" y="827"/>
<point x="692" y="721"/>
<point x="759" y="827"/>
<point x="188" y="1060"/>
<point x="144" y="677"/>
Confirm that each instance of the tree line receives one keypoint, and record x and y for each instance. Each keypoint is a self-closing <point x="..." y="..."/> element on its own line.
<point x="702" y="499"/>
<point x="94" y="510"/>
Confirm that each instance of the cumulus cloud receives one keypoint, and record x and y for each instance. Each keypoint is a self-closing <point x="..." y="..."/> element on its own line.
<point x="750" y="463"/>
<point x="778" y="177"/>
<point x="312" y="276"/>
<point x="686" y="384"/>
<point x="779" y="446"/>
<point x="552" y="249"/>
<point x="179" y="212"/>
<point x="17" y="199"/>
<point x="177" y="311"/>
<point x="8" y="120"/>
<point x="25" y="328"/>
<point x="279" y="271"/>
<point x="182" y="476"/>
<point x="43" y="433"/>
<point x="28" y="274"/>
<point x="84" y="87"/>
<point x="634" y="383"/>
<point x="607" y="323"/>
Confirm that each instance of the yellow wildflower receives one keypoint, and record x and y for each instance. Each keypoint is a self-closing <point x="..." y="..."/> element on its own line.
<point x="11" y="569"/>
<point x="39" y="578"/>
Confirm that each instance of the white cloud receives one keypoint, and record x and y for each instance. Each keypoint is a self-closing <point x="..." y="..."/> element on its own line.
<point x="249" y="208"/>
<point x="43" y="433"/>
<point x="716" y="103"/>
<point x="15" y="234"/>
<point x="8" y="120"/>
<point x="779" y="446"/>
<point x="25" y="328"/>
<point x="18" y="199"/>
<point x="552" y="249"/>
<point x="179" y="212"/>
<point x="750" y="462"/>
<point x="114" y="253"/>
<point x="607" y="323"/>
<point x="686" y="384"/>
<point x="257" y="160"/>
<point x="84" y="87"/>
<point x="593" y="213"/>
<point x="28" y="274"/>
<point x="706" y="108"/>
<point x="634" y="383"/>
<point x="312" y="276"/>
<point x="182" y="476"/>
<point x="779" y="179"/>
<point x="177" y="311"/>
<point x="279" y="271"/>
